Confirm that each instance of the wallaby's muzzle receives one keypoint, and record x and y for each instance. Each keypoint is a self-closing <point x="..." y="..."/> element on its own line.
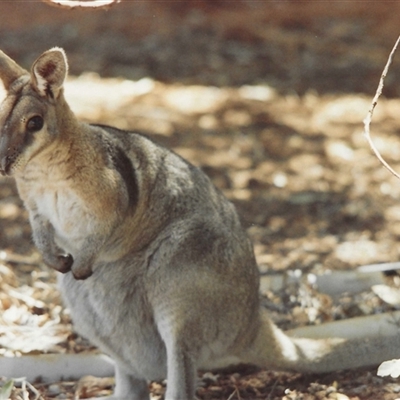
<point x="10" y="72"/>
<point x="11" y="148"/>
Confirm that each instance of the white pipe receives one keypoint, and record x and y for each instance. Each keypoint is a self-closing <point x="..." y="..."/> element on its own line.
<point x="56" y="367"/>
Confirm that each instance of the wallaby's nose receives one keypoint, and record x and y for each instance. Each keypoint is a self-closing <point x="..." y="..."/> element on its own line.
<point x="4" y="159"/>
<point x="3" y="165"/>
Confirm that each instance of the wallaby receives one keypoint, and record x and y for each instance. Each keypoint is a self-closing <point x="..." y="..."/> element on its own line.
<point x="156" y="268"/>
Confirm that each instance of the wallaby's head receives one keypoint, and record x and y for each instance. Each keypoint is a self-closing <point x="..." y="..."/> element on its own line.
<point x="30" y="114"/>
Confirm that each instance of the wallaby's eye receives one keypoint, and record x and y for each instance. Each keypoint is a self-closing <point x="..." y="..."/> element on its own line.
<point x="35" y="123"/>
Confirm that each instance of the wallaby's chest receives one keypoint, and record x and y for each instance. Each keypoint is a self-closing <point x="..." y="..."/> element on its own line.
<point x="59" y="204"/>
<point x="62" y="208"/>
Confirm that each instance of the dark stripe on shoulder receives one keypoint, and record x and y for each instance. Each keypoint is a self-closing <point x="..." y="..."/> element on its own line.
<point x="113" y="141"/>
<point x="124" y="166"/>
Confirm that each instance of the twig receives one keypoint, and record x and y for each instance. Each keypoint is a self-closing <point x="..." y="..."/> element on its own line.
<point x="25" y="385"/>
<point x="381" y="267"/>
<point x="53" y="367"/>
<point x="34" y="391"/>
<point x="367" y="120"/>
<point x="236" y="391"/>
<point x="25" y="394"/>
<point x="71" y="4"/>
<point x="272" y="390"/>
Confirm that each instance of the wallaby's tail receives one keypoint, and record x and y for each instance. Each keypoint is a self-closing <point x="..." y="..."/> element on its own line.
<point x="274" y="349"/>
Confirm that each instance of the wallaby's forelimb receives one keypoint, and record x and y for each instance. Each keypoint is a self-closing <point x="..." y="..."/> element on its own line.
<point x="43" y="236"/>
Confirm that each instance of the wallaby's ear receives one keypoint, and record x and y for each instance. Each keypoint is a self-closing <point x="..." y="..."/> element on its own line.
<point x="9" y="70"/>
<point x="49" y="72"/>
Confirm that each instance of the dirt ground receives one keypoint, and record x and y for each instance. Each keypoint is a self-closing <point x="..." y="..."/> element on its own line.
<point x="268" y="98"/>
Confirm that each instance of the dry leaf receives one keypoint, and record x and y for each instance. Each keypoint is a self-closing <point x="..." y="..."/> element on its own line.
<point x="388" y="294"/>
<point x="90" y="386"/>
<point x="391" y="367"/>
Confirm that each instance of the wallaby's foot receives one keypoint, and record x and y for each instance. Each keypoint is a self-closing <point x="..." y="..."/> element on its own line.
<point x="128" y="387"/>
<point x="61" y="263"/>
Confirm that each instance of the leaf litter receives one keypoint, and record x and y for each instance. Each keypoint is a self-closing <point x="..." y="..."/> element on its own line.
<point x="309" y="191"/>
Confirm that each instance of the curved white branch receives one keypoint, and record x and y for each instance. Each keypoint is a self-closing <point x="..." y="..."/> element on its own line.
<point x="82" y="4"/>
<point x="367" y="120"/>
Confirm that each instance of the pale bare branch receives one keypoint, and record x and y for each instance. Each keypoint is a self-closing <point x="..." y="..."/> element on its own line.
<point x="82" y="4"/>
<point x="367" y="120"/>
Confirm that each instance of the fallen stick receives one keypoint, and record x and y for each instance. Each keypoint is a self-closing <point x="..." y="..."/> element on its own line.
<point x="379" y="325"/>
<point x="56" y="367"/>
<point x="381" y="267"/>
<point x="333" y="283"/>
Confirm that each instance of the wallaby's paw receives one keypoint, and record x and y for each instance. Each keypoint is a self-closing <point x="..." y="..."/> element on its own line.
<point x="61" y="263"/>
<point x="82" y="273"/>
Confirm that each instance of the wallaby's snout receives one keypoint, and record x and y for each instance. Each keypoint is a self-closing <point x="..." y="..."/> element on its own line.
<point x="14" y="138"/>
<point x="10" y="72"/>
<point x="21" y="119"/>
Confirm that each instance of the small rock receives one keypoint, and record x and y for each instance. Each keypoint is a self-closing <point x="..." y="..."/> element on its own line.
<point x="54" y="390"/>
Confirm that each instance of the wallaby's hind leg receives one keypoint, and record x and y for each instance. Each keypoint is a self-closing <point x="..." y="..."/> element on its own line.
<point x="181" y="376"/>
<point x="127" y="387"/>
<point x="181" y="365"/>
